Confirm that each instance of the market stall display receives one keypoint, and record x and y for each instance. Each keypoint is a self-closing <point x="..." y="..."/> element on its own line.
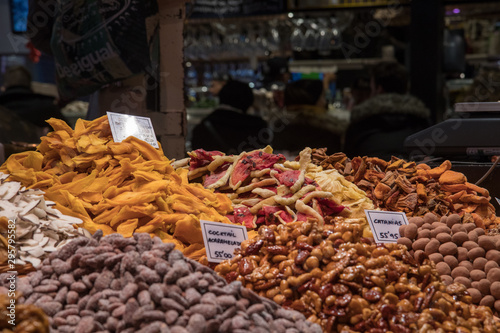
<point x="29" y="318"/>
<point x="347" y="283"/>
<point x="140" y="284"/>
<point x="462" y="253"/>
<point x="35" y="228"/>
<point x="122" y="187"/>
<point x="266" y="189"/>
<point x="415" y="189"/>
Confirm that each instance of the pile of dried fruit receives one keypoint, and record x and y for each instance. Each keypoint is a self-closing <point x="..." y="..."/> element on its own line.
<point x="39" y="229"/>
<point x="346" y="283"/>
<point x="264" y="188"/>
<point x="28" y="318"/>
<point x="122" y="187"/>
<point x="414" y="189"/>
<point x="140" y="284"/>
<point x="462" y="253"/>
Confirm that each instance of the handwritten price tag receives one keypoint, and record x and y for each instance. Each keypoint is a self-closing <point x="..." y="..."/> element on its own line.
<point x="124" y="125"/>
<point x="222" y="239"/>
<point x="385" y="225"/>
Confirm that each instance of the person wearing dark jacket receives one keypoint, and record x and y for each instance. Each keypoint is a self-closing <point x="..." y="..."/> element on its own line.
<point x="306" y="122"/>
<point x="19" y="98"/>
<point x="379" y="126"/>
<point x="229" y="128"/>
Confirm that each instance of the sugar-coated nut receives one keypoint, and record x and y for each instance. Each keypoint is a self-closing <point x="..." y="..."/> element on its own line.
<point x="459" y="238"/>
<point x="475" y="294"/>
<point x="447" y="279"/>
<point x="493" y="275"/>
<point x="420" y="244"/>
<point x="495" y="289"/>
<point x="432" y="247"/>
<point x="439" y="230"/>
<point x="477" y="275"/>
<point x="451" y="261"/>
<point x="493" y="255"/>
<point x="473" y="236"/>
<point x="443" y="268"/>
<point x="452" y="220"/>
<point x="469" y="226"/>
<point x="486" y="242"/>
<point x="476" y="253"/>
<point x="458" y="228"/>
<point x="466" y="264"/>
<point x="402" y="230"/>
<point x="480" y="231"/>
<point x="417" y="220"/>
<point x="430" y="217"/>
<point x="462" y="254"/>
<point x="497" y="305"/>
<point x="469" y="245"/>
<point x="490" y="265"/>
<point x="463" y="280"/>
<point x="436" y="257"/>
<point x="498" y="245"/>
<point x="475" y="284"/>
<point x="479" y="263"/>
<point x="426" y="226"/>
<point x="488" y="301"/>
<point x="406" y="242"/>
<point x="448" y="249"/>
<point x="424" y="233"/>
<point x="411" y="231"/>
<point x="443" y="237"/>
<point x="460" y="271"/>
<point x="436" y="225"/>
<point x="484" y="286"/>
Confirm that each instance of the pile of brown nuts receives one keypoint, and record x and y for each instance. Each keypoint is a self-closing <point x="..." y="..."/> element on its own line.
<point x="416" y="189"/>
<point x="143" y="285"/>
<point x="462" y="253"/>
<point x="347" y="283"/>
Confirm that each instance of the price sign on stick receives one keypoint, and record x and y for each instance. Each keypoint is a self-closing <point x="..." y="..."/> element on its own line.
<point x="385" y="225"/>
<point x="222" y="239"/>
<point x="124" y="125"/>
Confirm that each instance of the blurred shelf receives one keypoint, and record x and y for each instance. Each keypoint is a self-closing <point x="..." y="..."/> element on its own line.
<point x="308" y="66"/>
<point x="481" y="58"/>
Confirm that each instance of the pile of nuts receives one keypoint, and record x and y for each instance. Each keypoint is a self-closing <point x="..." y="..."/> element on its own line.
<point x="140" y="284"/>
<point x="398" y="185"/>
<point x="28" y="318"/>
<point x="346" y="283"/>
<point x="462" y="253"/>
<point x="39" y="228"/>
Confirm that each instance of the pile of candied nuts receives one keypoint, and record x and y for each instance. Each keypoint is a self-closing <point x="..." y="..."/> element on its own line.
<point x="345" y="282"/>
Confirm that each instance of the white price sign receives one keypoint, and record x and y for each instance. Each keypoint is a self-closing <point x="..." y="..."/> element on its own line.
<point x="385" y="225"/>
<point x="222" y="239"/>
<point x="124" y="125"/>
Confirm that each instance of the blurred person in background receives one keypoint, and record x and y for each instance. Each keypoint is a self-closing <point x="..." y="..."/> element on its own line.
<point x="360" y="91"/>
<point x="379" y="125"/>
<point x="229" y="128"/>
<point x="217" y="83"/>
<point x="306" y="122"/>
<point x="18" y="97"/>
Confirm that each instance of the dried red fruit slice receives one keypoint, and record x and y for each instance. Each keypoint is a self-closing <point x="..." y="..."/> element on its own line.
<point x="256" y="160"/>
<point x="201" y="158"/>
<point x="288" y="178"/>
<point x="243" y="216"/>
<point x="218" y="174"/>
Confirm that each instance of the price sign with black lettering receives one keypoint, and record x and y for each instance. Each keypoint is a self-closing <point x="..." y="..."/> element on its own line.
<point x="385" y="225"/>
<point x="222" y="239"/>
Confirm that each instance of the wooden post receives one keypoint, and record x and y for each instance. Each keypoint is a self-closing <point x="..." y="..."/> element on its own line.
<point x="170" y="122"/>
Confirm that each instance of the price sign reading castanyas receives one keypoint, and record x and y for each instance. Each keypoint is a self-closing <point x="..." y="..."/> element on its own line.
<point x="385" y="225"/>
